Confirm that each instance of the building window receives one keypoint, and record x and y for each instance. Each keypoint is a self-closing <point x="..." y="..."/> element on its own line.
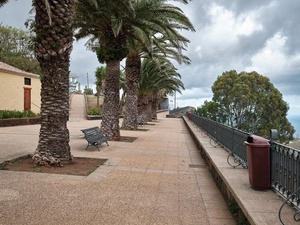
<point x="27" y="81"/>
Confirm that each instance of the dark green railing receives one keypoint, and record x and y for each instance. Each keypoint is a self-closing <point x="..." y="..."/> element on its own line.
<point x="285" y="161"/>
<point x="231" y="139"/>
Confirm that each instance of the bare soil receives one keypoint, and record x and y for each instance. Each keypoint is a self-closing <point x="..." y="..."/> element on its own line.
<point x="78" y="166"/>
<point x="127" y="139"/>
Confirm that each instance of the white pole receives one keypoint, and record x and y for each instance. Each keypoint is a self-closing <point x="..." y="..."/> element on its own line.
<point x="175" y="100"/>
<point x="87" y="78"/>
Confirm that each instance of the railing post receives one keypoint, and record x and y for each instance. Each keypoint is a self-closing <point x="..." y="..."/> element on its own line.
<point x="273" y="135"/>
<point x="273" y="139"/>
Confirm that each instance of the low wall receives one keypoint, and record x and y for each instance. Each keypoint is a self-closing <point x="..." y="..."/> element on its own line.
<point x="20" y="121"/>
<point x="248" y="205"/>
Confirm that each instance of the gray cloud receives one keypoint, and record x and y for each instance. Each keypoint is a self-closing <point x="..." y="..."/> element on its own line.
<point x="15" y="13"/>
<point x="240" y="35"/>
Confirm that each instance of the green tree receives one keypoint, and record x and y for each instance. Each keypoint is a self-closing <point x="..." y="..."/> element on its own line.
<point x="16" y="49"/>
<point x="250" y="102"/>
<point x="100" y="85"/>
<point x="110" y="23"/>
<point x="53" y="46"/>
<point x="3" y="2"/>
<point x="208" y="110"/>
<point x="88" y="91"/>
<point x="154" y="80"/>
<point x="123" y="87"/>
<point x="156" y="16"/>
<point x="107" y="22"/>
<point x="100" y="75"/>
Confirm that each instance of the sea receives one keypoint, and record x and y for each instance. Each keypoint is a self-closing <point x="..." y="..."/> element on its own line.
<point x="295" y="121"/>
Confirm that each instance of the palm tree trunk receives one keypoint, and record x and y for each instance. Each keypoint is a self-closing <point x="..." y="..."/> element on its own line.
<point x="53" y="49"/>
<point x="154" y="105"/>
<point x="144" y="107"/>
<point x="110" y="117"/>
<point x="133" y="68"/>
<point x="53" y="145"/>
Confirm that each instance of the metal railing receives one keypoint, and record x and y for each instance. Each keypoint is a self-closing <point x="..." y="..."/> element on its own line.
<point x="285" y="176"/>
<point x="231" y="139"/>
<point x="285" y="161"/>
<point x="179" y="110"/>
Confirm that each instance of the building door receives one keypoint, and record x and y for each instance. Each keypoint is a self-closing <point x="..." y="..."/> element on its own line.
<point x="27" y="98"/>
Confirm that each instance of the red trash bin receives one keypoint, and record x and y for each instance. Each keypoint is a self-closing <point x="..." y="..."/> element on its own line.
<point x="258" y="156"/>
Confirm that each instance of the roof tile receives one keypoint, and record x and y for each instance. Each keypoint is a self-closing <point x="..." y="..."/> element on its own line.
<point x="8" y="68"/>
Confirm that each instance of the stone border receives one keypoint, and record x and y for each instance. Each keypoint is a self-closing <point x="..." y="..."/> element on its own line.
<point x="256" y="206"/>
<point x="20" y="121"/>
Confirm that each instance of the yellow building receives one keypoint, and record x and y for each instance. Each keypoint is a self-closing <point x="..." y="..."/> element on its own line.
<point x="19" y="90"/>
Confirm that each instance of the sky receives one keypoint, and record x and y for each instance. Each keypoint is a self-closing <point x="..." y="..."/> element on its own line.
<point x="261" y="36"/>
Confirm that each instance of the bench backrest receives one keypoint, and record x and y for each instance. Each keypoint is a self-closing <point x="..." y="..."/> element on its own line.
<point x="92" y="134"/>
<point x="139" y="120"/>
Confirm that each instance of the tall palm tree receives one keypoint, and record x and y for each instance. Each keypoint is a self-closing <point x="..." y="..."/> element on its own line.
<point x="133" y="67"/>
<point x="100" y="75"/>
<point x="54" y="41"/>
<point x="154" y="80"/>
<point x="123" y="88"/>
<point x="3" y="2"/>
<point x="107" y="23"/>
<point x="163" y="21"/>
<point x="110" y="23"/>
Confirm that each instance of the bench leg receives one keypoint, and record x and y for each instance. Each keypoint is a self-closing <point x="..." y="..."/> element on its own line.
<point x="92" y="145"/>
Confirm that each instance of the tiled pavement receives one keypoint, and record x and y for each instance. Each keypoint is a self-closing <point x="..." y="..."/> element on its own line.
<point x="160" y="178"/>
<point x="77" y="107"/>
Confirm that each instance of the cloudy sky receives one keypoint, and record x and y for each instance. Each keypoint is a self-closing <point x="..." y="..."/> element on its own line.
<point x="261" y="36"/>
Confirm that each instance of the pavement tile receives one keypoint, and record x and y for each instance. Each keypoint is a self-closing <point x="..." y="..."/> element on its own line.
<point x="223" y="221"/>
<point x="215" y="204"/>
<point x="219" y="213"/>
<point x="137" y="216"/>
<point x="165" y="217"/>
<point x="190" y="216"/>
<point x="146" y="182"/>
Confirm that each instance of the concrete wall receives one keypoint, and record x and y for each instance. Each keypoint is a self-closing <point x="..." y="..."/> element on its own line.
<point x="12" y="91"/>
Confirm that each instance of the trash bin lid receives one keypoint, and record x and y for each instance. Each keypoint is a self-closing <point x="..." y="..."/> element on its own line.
<point x="253" y="140"/>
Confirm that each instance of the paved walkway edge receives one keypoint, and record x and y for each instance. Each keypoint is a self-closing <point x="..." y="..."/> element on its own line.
<point x="259" y="207"/>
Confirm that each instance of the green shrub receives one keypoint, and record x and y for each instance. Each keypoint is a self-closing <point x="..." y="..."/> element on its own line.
<point x="94" y="111"/>
<point x="88" y="91"/>
<point x="5" y="114"/>
<point x="29" y="113"/>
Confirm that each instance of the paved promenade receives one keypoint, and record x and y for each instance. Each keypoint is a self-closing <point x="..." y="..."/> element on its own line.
<point x="77" y="108"/>
<point x="160" y="178"/>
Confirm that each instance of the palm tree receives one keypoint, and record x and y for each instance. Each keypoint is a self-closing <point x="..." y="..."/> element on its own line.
<point x="110" y="24"/>
<point x="100" y="75"/>
<point x="163" y="21"/>
<point x="54" y="41"/>
<point x="155" y="81"/>
<point x="107" y="23"/>
<point x="123" y="87"/>
<point x="3" y="2"/>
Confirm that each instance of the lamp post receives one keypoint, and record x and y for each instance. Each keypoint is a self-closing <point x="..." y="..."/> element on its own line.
<point x="175" y="100"/>
<point x="87" y="78"/>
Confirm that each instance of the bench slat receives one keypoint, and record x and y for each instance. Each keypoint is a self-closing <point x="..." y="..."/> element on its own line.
<point x="95" y="137"/>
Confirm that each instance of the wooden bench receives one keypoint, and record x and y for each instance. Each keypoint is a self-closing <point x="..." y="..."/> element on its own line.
<point x="95" y="137"/>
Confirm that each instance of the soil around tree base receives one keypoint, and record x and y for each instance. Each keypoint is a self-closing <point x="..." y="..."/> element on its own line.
<point x="78" y="166"/>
